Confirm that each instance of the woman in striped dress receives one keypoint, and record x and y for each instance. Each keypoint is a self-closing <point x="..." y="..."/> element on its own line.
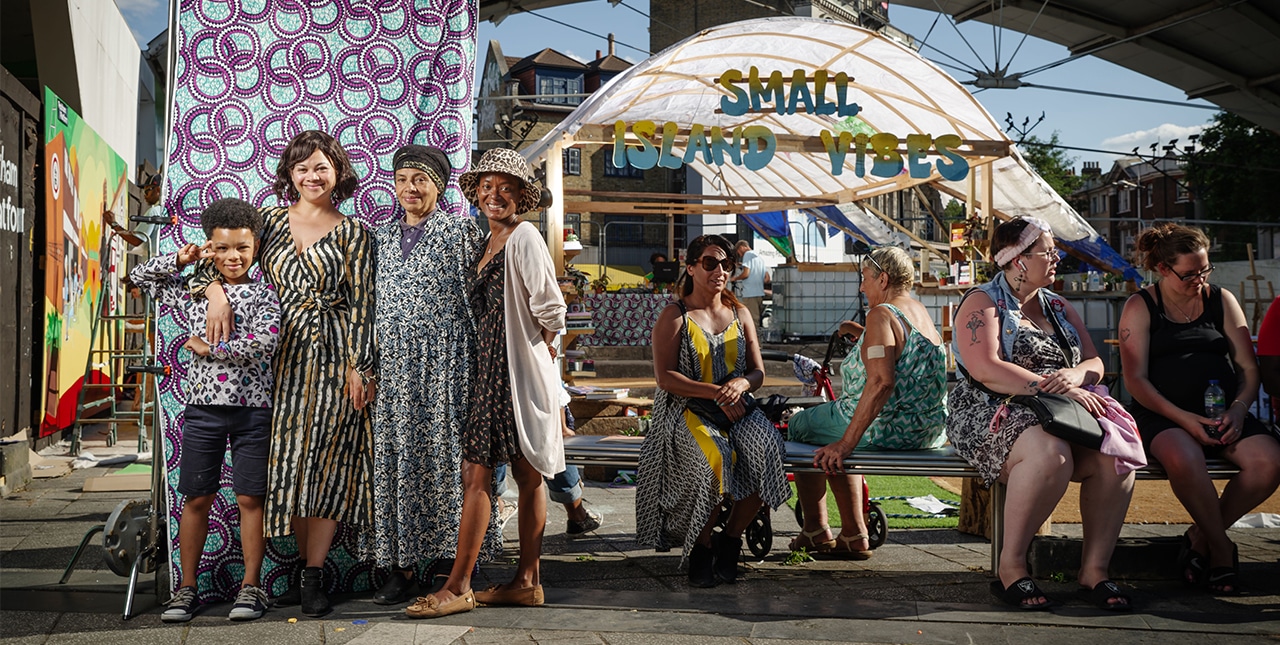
<point x="321" y="264"/>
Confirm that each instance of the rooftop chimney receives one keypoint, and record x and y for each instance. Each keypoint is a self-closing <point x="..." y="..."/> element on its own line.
<point x="611" y="45"/>
<point x="597" y="54"/>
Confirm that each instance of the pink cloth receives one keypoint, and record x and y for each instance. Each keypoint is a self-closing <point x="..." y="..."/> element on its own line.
<point x="1120" y="437"/>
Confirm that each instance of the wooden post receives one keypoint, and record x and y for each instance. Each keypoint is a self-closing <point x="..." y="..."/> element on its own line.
<point x="555" y="212"/>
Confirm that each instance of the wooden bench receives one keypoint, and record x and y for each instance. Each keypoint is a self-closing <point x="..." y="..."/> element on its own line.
<point x="624" y="453"/>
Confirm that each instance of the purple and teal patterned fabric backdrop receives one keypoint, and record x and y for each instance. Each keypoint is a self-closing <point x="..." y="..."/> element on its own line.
<point x="249" y="75"/>
<point x="623" y="318"/>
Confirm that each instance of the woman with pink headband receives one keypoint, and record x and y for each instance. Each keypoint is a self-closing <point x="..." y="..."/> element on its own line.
<point x="1013" y="337"/>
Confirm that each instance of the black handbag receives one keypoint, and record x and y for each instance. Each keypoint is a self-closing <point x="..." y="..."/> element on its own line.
<point x="711" y="413"/>
<point x="1062" y="417"/>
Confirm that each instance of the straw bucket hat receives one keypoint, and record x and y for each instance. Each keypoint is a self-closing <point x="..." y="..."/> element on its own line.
<point x="509" y="162"/>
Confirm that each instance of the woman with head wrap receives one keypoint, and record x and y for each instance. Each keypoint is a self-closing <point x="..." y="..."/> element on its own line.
<point x="1016" y="337"/>
<point x="425" y="344"/>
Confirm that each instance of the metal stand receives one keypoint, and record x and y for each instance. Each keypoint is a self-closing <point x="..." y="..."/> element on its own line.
<point x="997" y="525"/>
<point x="66" y="575"/>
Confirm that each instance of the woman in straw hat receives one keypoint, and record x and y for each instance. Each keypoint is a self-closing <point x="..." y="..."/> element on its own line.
<point x="518" y="311"/>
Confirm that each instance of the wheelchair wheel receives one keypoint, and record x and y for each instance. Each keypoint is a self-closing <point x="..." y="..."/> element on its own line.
<point x="759" y="534"/>
<point x="877" y="526"/>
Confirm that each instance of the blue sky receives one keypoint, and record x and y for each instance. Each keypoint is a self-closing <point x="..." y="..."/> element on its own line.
<point x="1082" y="121"/>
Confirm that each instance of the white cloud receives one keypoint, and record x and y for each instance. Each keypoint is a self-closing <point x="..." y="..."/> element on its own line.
<point x="1142" y="139"/>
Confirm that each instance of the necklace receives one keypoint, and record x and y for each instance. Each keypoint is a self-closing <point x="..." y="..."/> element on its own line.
<point x="1181" y="311"/>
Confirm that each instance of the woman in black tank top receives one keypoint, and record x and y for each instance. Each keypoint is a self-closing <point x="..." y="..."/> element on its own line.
<point x="1175" y="337"/>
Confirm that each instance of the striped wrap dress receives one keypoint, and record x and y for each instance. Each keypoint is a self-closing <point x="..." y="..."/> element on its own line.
<point x="321" y="459"/>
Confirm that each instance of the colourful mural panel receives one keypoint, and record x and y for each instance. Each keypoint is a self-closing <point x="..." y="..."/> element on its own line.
<point x="249" y="76"/>
<point x="84" y="178"/>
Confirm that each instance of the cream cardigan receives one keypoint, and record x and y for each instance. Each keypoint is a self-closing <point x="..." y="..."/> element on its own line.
<point x="532" y="301"/>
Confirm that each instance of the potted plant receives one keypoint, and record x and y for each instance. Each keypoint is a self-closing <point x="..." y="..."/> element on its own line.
<point x="600" y="284"/>
<point x="578" y="279"/>
<point x="943" y="275"/>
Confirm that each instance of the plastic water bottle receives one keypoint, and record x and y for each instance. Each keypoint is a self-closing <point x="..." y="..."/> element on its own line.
<point x="1215" y="405"/>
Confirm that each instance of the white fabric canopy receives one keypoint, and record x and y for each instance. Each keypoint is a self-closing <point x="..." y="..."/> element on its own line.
<point x="898" y="90"/>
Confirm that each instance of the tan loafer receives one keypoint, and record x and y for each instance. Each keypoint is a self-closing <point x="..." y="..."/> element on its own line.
<point x="430" y="607"/>
<point x="526" y="597"/>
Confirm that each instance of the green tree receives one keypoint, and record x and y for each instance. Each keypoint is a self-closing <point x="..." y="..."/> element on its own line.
<point x="1052" y="163"/>
<point x="1235" y="177"/>
<point x="954" y="212"/>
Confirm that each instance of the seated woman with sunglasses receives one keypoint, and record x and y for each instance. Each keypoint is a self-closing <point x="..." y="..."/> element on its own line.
<point x="1013" y="337"/>
<point x="893" y="397"/>
<point x="705" y="441"/>
<point x="1175" y="336"/>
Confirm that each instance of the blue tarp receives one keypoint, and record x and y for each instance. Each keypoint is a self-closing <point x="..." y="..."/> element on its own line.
<point x="1101" y="254"/>
<point x="842" y="224"/>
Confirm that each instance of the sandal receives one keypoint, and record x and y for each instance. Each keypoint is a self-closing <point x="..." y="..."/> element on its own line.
<point x="1103" y="593"/>
<point x="844" y="548"/>
<point x="1018" y="593"/>
<point x="1225" y="581"/>
<point x="1192" y="562"/>
<point x="806" y="541"/>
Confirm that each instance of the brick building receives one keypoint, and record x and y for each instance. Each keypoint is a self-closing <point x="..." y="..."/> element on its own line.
<point x="1132" y="195"/>
<point x="549" y="86"/>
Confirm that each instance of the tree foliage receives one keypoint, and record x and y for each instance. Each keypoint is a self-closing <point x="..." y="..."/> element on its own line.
<point x="1052" y="163"/>
<point x="1235" y="177"/>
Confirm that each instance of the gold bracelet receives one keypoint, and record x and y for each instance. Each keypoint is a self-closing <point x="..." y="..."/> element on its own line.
<point x="1246" y="407"/>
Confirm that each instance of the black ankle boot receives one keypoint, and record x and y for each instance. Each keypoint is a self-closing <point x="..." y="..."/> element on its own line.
<point x="314" y="601"/>
<point x="701" y="561"/>
<point x="727" y="550"/>
<point x="293" y="595"/>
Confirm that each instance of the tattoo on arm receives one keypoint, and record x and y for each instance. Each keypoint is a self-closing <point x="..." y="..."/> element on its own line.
<point x="1032" y="385"/>
<point x="975" y="323"/>
<point x="1125" y="334"/>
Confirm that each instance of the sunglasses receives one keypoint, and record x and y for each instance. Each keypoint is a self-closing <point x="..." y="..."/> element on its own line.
<point x="872" y="259"/>
<point x="709" y="263"/>
<point x="1204" y="275"/>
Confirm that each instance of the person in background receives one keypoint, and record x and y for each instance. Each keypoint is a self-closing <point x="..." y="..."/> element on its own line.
<point x="750" y="280"/>
<point x="426" y="343"/>
<point x="653" y="260"/>
<point x="893" y="397"/>
<point x="1269" y="356"/>
<point x="1014" y="336"/>
<point x="321" y="264"/>
<point x="518" y="311"/>
<point x="228" y="391"/>
<point x="705" y="347"/>
<point x="1175" y="336"/>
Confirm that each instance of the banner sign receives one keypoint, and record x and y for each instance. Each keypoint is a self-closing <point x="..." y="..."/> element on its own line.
<point x="753" y="146"/>
<point x="84" y="178"/>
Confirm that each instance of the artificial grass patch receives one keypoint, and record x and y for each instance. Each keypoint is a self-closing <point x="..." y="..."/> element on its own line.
<point x="890" y="486"/>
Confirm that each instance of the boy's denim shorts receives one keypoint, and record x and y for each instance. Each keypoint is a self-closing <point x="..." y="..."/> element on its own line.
<point x="205" y="432"/>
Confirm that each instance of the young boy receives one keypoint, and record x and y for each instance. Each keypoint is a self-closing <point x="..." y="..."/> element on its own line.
<point x="228" y="390"/>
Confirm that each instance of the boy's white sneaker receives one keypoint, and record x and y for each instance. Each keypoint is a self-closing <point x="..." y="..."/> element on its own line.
<point x="182" y="606"/>
<point x="251" y="604"/>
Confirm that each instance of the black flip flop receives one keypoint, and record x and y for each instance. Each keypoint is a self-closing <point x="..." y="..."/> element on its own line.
<point x="1103" y="593"/>
<point x="1223" y="577"/>
<point x="1022" y="590"/>
<point x="1192" y="562"/>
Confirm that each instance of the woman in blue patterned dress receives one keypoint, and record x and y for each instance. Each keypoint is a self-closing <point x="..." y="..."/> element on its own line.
<point x="688" y="464"/>
<point x="426" y="341"/>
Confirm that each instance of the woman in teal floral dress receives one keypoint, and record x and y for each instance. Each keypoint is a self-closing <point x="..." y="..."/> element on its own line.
<point x="894" y="389"/>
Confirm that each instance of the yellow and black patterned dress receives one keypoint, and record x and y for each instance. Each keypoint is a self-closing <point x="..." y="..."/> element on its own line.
<point x="687" y="465"/>
<point x="321" y="460"/>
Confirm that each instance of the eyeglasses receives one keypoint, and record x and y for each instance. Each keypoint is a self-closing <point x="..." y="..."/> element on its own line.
<point x="1052" y="256"/>
<point x="709" y="263"/>
<point x="1203" y="275"/>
